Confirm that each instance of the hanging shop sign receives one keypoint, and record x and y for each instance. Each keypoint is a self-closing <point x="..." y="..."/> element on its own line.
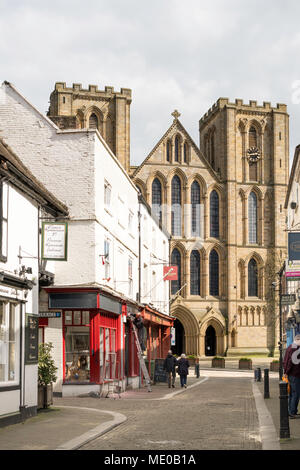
<point x="173" y="342"/>
<point x="54" y="241"/>
<point x="170" y="273"/>
<point x="292" y="271"/>
<point x="288" y="299"/>
<point x="294" y="246"/>
<point x="31" y="339"/>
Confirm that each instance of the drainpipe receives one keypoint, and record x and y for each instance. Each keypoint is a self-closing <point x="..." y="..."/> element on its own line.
<point x="140" y="253"/>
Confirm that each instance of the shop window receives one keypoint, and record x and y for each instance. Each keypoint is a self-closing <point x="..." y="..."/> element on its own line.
<point x="9" y="343"/>
<point x="77" y="346"/>
<point x="109" y="367"/>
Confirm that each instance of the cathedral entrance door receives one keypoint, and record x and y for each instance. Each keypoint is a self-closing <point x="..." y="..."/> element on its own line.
<point x="179" y="347"/>
<point x="210" y="341"/>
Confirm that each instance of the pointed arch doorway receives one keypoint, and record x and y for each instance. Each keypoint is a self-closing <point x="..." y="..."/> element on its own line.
<point x="210" y="341"/>
<point x="179" y="347"/>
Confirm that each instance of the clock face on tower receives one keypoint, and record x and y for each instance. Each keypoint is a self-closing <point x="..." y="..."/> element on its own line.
<point x="253" y="154"/>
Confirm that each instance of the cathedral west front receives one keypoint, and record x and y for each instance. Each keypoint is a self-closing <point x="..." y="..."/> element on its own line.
<point x="223" y="204"/>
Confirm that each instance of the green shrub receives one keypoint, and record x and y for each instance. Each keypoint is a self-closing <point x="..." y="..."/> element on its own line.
<point x="46" y="366"/>
<point x="245" y="359"/>
<point x="218" y="357"/>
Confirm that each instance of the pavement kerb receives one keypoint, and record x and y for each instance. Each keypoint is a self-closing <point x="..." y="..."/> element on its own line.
<point x="92" y="434"/>
<point x="268" y="432"/>
<point x="171" y="395"/>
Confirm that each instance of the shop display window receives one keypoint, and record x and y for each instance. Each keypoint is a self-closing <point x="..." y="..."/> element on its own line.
<point x="109" y="366"/>
<point x="9" y="342"/>
<point x="77" y="346"/>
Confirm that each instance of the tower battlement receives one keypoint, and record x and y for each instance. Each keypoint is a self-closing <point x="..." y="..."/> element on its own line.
<point x="92" y="89"/>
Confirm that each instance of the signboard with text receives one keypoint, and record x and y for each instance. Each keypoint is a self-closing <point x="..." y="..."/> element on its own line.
<point x="170" y="273"/>
<point x="288" y="299"/>
<point x="54" y="241"/>
<point x="31" y="339"/>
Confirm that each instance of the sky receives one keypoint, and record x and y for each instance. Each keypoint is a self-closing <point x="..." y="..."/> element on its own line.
<point x="172" y="54"/>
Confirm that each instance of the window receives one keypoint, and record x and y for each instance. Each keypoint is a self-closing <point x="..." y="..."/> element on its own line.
<point x="77" y="346"/>
<point x="195" y="216"/>
<point x="214" y="214"/>
<point x="177" y="148"/>
<point x="176" y="206"/>
<point x="212" y="150"/>
<point x="252" y="215"/>
<point x="176" y="261"/>
<point x="168" y="151"/>
<point x="195" y="273"/>
<point x="252" y="278"/>
<point x="3" y="221"/>
<point x="252" y="137"/>
<point x="157" y="199"/>
<point x="93" y="121"/>
<point x="130" y="279"/>
<point x="107" y="194"/>
<point x="253" y="171"/>
<point x="9" y="342"/>
<point x="130" y="220"/>
<point x="109" y="367"/>
<point x="107" y="258"/>
<point x="185" y="152"/>
<point x="214" y="273"/>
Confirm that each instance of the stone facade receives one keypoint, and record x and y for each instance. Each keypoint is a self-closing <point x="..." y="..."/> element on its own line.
<point x="106" y="110"/>
<point x="243" y="151"/>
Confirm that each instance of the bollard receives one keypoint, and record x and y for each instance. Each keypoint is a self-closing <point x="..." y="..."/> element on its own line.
<point x="197" y="370"/>
<point x="284" y="411"/>
<point x="266" y="384"/>
<point x="258" y="374"/>
<point x="255" y="375"/>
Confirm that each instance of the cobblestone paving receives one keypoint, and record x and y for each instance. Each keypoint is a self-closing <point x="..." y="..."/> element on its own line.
<point x="218" y="414"/>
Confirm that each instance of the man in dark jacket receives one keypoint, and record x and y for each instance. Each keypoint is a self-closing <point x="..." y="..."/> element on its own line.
<point x="139" y="323"/>
<point x="291" y="366"/>
<point x="169" y="367"/>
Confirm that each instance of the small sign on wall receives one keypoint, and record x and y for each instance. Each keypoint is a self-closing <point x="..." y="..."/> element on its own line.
<point x="173" y="341"/>
<point x="31" y="339"/>
<point x="54" y="241"/>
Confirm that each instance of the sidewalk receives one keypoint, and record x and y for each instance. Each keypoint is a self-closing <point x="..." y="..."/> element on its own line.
<point x="273" y="407"/>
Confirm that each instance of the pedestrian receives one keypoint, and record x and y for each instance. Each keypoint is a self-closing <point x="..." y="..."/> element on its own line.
<point x="139" y="323"/>
<point x="183" y="369"/>
<point x="169" y="367"/>
<point x="291" y="367"/>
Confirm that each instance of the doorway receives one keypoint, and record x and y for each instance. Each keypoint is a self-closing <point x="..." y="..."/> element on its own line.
<point x="179" y="347"/>
<point x="210" y="341"/>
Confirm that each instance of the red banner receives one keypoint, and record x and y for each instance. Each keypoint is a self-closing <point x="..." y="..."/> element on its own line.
<point x="170" y="273"/>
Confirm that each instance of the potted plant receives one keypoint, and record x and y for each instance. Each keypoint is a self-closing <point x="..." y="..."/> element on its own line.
<point x="245" y="363"/>
<point x="46" y="375"/>
<point x="218" y="362"/>
<point x="191" y="358"/>
<point x="274" y="365"/>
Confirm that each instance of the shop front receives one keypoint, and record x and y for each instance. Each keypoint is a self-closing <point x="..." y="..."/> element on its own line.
<point x="92" y="339"/>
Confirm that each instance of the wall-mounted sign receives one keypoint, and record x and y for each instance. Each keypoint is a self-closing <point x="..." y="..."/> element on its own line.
<point x="49" y="314"/>
<point x="31" y="339"/>
<point x="288" y="299"/>
<point x="170" y="273"/>
<point x="54" y="241"/>
<point x="173" y="342"/>
<point x="294" y="246"/>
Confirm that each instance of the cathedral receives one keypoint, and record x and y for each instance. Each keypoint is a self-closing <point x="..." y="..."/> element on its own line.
<point x="223" y="204"/>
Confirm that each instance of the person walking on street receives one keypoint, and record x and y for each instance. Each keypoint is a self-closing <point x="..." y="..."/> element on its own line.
<point x="169" y="367"/>
<point x="183" y="369"/>
<point x="291" y="366"/>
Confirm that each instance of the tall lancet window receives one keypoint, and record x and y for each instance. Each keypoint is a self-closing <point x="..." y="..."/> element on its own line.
<point x="252" y="278"/>
<point x="176" y="261"/>
<point x="214" y="273"/>
<point x="176" y="206"/>
<point x="185" y="152"/>
<point x="177" y="148"/>
<point x="252" y="217"/>
<point x="195" y="206"/>
<point x="195" y="273"/>
<point x="214" y="214"/>
<point x="157" y="199"/>
<point x="252" y="137"/>
<point x="93" y="121"/>
<point x="168" y="151"/>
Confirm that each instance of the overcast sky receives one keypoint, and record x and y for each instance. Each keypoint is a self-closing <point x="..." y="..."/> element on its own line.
<point x="171" y="53"/>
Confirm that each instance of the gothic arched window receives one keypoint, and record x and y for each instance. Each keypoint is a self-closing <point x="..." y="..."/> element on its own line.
<point x="214" y="214"/>
<point x="176" y="261"/>
<point x="168" y="151"/>
<point x="185" y="152"/>
<point x="195" y="216"/>
<point x="93" y="121"/>
<point x="195" y="273"/>
<point x="177" y="147"/>
<point x="212" y="150"/>
<point x="176" y="206"/>
<point x="252" y="137"/>
<point x="252" y="217"/>
<point x="157" y="199"/>
<point x="213" y="273"/>
<point x="252" y="278"/>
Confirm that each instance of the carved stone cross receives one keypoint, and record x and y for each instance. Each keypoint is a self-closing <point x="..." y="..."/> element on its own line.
<point x="176" y="114"/>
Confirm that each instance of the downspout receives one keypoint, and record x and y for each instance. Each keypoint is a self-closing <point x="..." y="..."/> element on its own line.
<point x="140" y="253"/>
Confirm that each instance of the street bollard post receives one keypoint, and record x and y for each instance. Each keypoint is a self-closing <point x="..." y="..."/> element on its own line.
<point x="258" y="374"/>
<point x="255" y="375"/>
<point x="284" y="411"/>
<point x="197" y="370"/>
<point x="266" y="384"/>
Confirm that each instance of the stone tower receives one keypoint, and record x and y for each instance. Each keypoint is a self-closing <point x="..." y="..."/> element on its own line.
<point x="105" y="110"/>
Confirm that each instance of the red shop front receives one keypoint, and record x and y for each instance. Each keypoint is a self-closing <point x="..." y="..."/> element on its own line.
<point x="93" y="335"/>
